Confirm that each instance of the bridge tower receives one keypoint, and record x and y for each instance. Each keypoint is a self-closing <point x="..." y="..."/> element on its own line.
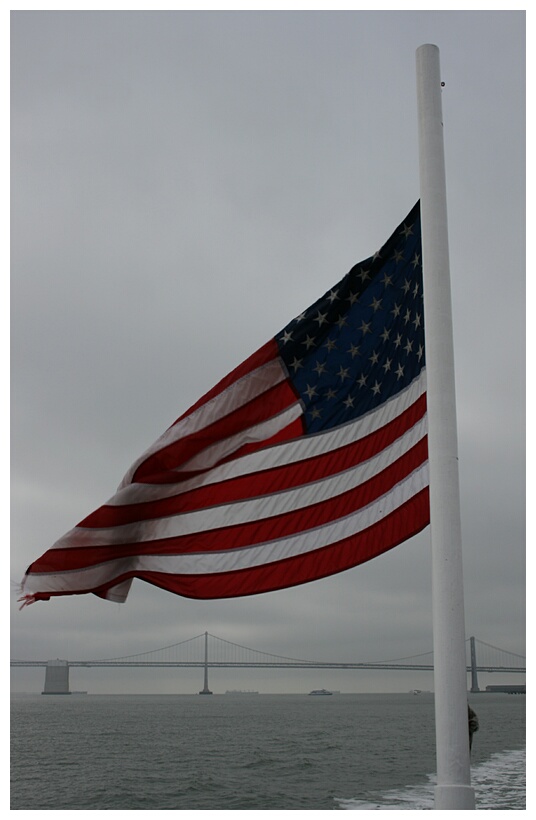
<point x="56" y="678"/>
<point x="474" y="677"/>
<point x="205" y="690"/>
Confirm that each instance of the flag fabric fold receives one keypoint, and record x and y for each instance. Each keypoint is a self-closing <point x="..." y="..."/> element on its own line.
<point x="306" y="460"/>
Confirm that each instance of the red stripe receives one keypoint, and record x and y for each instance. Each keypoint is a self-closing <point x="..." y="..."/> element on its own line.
<point x="270" y="403"/>
<point x="295" y="429"/>
<point x="403" y="523"/>
<point x="381" y="537"/>
<point x="262" y="356"/>
<point x="263" y="482"/>
<point x="243" y="535"/>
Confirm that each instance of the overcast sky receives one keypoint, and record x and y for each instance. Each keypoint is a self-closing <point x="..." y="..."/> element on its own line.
<point x="183" y="184"/>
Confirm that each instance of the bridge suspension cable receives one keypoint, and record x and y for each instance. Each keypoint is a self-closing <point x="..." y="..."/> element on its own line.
<point x="498" y="649"/>
<point x="191" y="652"/>
<point x="150" y="651"/>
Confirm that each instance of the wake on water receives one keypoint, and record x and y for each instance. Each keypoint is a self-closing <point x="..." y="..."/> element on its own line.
<point x="499" y="783"/>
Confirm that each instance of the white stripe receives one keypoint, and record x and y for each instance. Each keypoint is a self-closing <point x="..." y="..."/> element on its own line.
<point x="284" y="453"/>
<point x="234" y="396"/>
<point x="257" y="432"/>
<point x="243" y="512"/>
<point x="233" y="560"/>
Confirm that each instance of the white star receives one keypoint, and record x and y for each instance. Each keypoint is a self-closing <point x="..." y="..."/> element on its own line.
<point x="309" y="342"/>
<point x="331" y="394"/>
<point x="310" y="392"/>
<point x="376" y="388"/>
<point x="417" y="320"/>
<point x="396" y="310"/>
<point x="416" y="260"/>
<point x="333" y="295"/>
<point x="409" y="346"/>
<point x="398" y="340"/>
<point x="387" y="280"/>
<point x="286" y="337"/>
<point x="330" y="344"/>
<point x="420" y="351"/>
<point x="374" y="358"/>
<point x="398" y="256"/>
<point x="349" y="402"/>
<point x="387" y="365"/>
<point x="353" y="351"/>
<point x="407" y="230"/>
<point x="343" y="372"/>
<point x="385" y="335"/>
<point x="321" y="318"/>
<point x="362" y="380"/>
<point x="320" y="368"/>
<point x="315" y="413"/>
<point x="364" y="274"/>
<point x="375" y="304"/>
<point x="365" y="327"/>
<point x="296" y="364"/>
<point x="341" y="322"/>
<point x="399" y="371"/>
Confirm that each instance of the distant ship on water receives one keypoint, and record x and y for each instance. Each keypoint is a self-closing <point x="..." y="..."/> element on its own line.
<point x="241" y="692"/>
<point x="320" y="692"/>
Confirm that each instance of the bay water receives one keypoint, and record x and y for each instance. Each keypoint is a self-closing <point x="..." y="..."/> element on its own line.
<point x="252" y="752"/>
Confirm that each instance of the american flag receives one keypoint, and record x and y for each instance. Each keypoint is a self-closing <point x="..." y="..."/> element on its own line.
<point x="307" y="459"/>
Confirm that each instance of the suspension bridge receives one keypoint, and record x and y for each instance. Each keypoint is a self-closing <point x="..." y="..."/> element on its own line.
<point x="209" y="651"/>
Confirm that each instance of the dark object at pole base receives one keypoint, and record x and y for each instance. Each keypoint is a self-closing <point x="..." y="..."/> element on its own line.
<point x="473" y="724"/>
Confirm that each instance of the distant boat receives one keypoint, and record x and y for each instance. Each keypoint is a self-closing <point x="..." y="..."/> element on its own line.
<point x="320" y="692"/>
<point x="241" y="692"/>
<point x="417" y="691"/>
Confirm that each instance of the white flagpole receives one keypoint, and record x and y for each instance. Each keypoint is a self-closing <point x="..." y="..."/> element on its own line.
<point x="453" y="790"/>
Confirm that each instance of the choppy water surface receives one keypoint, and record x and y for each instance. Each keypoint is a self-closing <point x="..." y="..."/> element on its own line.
<point x="253" y="752"/>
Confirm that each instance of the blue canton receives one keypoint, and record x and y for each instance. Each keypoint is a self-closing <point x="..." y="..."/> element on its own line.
<point x="363" y="341"/>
